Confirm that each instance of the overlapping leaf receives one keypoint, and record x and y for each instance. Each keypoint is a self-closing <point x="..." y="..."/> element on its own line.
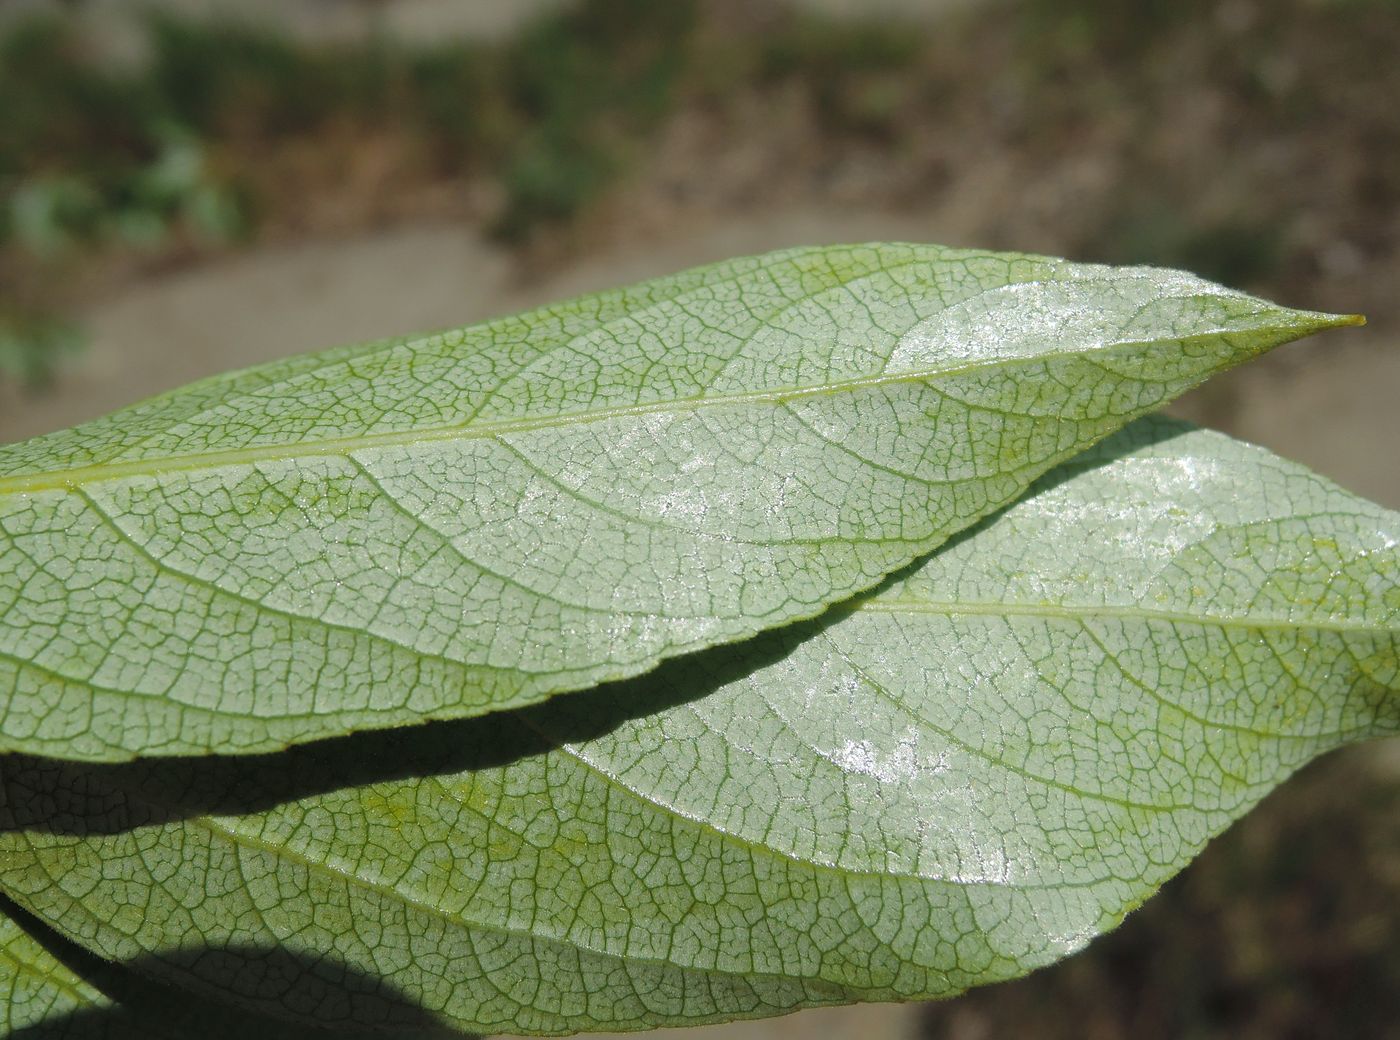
<point x="448" y="526"/>
<point x="53" y="990"/>
<point x="952" y="781"/>
<point x="36" y="988"/>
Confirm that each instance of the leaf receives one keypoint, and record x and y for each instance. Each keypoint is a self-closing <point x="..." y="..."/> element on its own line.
<point x="953" y="781"/>
<point x="35" y="986"/>
<point x="453" y="525"/>
<point x="50" y="988"/>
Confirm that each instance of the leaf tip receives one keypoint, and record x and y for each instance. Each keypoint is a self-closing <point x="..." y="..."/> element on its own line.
<point x="1338" y="321"/>
<point x="1306" y="323"/>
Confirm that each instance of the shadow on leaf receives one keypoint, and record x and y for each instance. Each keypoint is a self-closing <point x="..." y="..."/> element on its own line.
<point x="321" y="998"/>
<point x="80" y="799"/>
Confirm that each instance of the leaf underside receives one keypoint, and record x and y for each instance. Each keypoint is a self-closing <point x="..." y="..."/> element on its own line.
<point x="447" y="526"/>
<point x="36" y="988"/>
<point x="960" y="777"/>
<point x="51" y="989"/>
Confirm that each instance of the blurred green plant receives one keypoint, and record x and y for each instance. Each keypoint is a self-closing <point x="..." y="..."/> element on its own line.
<point x="91" y="156"/>
<point x="50" y="214"/>
<point x="857" y="74"/>
<point x="586" y="83"/>
<point x="33" y="344"/>
<point x="1111" y="29"/>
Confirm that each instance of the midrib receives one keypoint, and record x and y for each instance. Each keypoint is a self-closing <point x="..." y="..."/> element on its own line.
<point x="70" y="478"/>
<point x="1111" y="612"/>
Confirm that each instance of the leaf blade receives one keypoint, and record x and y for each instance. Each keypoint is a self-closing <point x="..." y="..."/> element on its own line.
<point x="965" y="776"/>
<point x="449" y="526"/>
<point x="35" y="986"/>
<point x="54" y="989"/>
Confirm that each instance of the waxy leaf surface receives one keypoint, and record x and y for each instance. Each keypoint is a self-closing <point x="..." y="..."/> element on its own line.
<point x="452" y="525"/>
<point x="954" y="780"/>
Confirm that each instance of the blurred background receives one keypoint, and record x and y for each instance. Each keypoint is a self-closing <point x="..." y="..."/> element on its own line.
<point x="190" y="186"/>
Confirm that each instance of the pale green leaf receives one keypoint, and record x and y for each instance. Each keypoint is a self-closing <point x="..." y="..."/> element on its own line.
<point x="36" y="987"/>
<point x="446" y="526"/>
<point x="955" y="780"/>
<point x="51" y="989"/>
